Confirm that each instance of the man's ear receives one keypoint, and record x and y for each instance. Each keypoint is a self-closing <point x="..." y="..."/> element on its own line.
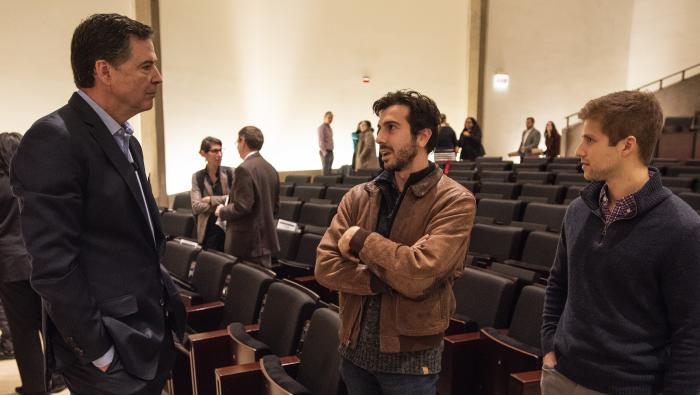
<point x="103" y="72"/>
<point x="423" y="137"/>
<point x="629" y="146"/>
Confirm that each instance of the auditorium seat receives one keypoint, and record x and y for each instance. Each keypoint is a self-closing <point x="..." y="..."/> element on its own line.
<point x="297" y="179"/>
<point x="317" y="214"/>
<point x="534" y="177"/>
<point x="179" y="258"/>
<point x="466" y="165"/>
<point x="208" y="282"/>
<point x="567" y="160"/>
<point x="503" y="211"/>
<point x="317" y="368"/>
<point x="289" y="210"/>
<point x="328" y="180"/>
<point x="538" y="253"/>
<point x="676" y="171"/>
<point x="572" y="192"/>
<point x="462" y="174"/>
<point x="286" y="309"/>
<point x="177" y="224"/>
<point x="286" y="188"/>
<point x="308" y="191"/>
<point x="549" y="215"/>
<point x="494" y="243"/>
<point x="570" y="179"/>
<point x="495" y="166"/>
<point x="516" y="349"/>
<point x="246" y="289"/>
<point x="556" y="167"/>
<point x="523" y="276"/>
<point x="289" y="243"/>
<point x="335" y="193"/>
<point x="303" y="263"/>
<point x="484" y="299"/>
<point x="678" y="184"/>
<point x="542" y="193"/>
<point x="501" y="190"/>
<point x="496" y="176"/>
<point x="182" y="202"/>
<point x="354" y="180"/>
<point x="472" y="186"/>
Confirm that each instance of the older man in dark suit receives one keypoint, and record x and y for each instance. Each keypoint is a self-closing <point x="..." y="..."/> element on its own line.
<point x="253" y="203"/>
<point x="91" y="224"/>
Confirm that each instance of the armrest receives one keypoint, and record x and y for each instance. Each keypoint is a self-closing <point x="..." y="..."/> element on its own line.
<point x="208" y="351"/>
<point x="190" y="298"/>
<point x="205" y="317"/>
<point x="246" y="378"/>
<point x="542" y="271"/>
<point x="459" y="364"/>
<point x="525" y="383"/>
<point x="461" y="325"/>
<point x="245" y="348"/>
<point x="327" y="295"/>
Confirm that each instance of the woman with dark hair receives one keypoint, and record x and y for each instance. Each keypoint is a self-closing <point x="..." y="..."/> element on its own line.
<point x="22" y="304"/>
<point x="446" y="146"/>
<point x="210" y="187"/>
<point x="470" y="140"/>
<point x="552" y="140"/>
<point x="366" y="155"/>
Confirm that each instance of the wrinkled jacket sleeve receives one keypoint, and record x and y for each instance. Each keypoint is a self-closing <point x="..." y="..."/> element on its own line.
<point x="242" y="196"/>
<point x="198" y="206"/>
<point x="332" y="270"/>
<point x="415" y="270"/>
<point x="47" y="176"/>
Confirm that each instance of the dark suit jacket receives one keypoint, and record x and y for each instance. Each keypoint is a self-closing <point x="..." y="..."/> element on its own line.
<point x="95" y="261"/>
<point x="253" y="204"/>
<point x="15" y="263"/>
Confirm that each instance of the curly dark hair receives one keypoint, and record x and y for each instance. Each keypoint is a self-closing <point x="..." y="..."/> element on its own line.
<point x="103" y="37"/>
<point x="423" y="112"/>
<point x="9" y="141"/>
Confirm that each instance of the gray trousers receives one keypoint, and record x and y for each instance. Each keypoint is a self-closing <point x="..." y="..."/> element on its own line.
<point x="326" y="162"/>
<point x="555" y="383"/>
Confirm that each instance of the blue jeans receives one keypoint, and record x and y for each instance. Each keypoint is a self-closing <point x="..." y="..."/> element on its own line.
<point x="362" y="382"/>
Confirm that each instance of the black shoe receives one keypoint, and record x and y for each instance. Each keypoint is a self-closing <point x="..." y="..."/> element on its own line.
<point x="57" y="385"/>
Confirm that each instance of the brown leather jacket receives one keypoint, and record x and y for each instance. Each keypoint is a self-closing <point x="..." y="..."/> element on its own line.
<point x="415" y="311"/>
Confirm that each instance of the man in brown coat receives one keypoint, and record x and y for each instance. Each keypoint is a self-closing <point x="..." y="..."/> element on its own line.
<point x="393" y="251"/>
<point x="252" y="204"/>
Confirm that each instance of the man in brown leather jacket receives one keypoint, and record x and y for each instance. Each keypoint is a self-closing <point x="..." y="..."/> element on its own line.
<point x="392" y="252"/>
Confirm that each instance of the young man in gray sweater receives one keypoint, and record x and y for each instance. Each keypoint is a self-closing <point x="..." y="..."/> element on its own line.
<point x="622" y="312"/>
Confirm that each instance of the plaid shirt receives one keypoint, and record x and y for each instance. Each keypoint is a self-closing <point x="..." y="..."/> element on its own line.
<point x="624" y="208"/>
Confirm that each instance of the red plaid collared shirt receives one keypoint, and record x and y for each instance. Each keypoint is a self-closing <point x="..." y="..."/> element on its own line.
<point x="624" y="208"/>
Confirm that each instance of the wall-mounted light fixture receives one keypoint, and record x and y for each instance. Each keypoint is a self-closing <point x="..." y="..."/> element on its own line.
<point x="501" y="82"/>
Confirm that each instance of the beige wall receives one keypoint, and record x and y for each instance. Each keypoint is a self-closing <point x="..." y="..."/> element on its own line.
<point x="665" y="38"/>
<point x="281" y="65"/>
<point x="35" y="71"/>
<point x="558" y="55"/>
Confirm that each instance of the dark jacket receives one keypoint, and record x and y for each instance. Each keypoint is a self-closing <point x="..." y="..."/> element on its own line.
<point x="553" y="144"/>
<point x="622" y="309"/>
<point x="253" y="205"/>
<point x="15" y="262"/>
<point x="95" y="260"/>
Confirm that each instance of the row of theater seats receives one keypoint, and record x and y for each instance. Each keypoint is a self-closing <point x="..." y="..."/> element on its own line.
<point x="219" y="357"/>
<point x="247" y="325"/>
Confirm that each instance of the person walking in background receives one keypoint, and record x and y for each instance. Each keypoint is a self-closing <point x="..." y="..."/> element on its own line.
<point x="91" y="224"/>
<point x="210" y="187"/>
<point x="446" y="147"/>
<point x="552" y="140"/>
<point x="22" y="304"/>
<point x="325" y="143"/>
<point x="470" y="140"/>
<point x="366" y="155"/>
